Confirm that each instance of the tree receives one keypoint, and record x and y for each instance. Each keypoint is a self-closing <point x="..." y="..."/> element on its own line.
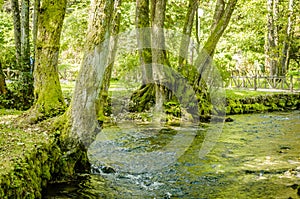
<point x="3" y="89"/>
<point x="144" y="38"/>
<point x="49" y="100"/>
<point x="36" y="6"/>
<point x="280" y="27"/>
<point x="17" y="29"/>
<point x="285" y="55"/>
<point x="24" y="85"/>
<point x="114" y="29"/>
<point x="222" y="15"/>
<point x="272" y="55"/>
<point x="187" y="32"/>
<point x="80" y="122"/>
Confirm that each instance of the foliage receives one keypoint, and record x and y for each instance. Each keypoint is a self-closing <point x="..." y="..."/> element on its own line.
<point x="16" y="97"/>
<point x="7" y="54"/>
<point x="73" y="33"/>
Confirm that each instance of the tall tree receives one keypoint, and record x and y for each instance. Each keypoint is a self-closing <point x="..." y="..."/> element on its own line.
<point x="187" y="31"/>
<point x="159" y="56"/>
<point x="49" y="100"/>
<point x="36" y="6"/>
<point x="285" y="55"/>
<point x="25" y="41"/>
<point x="80" y="123"/>
<point x="84" y="108"/>
<point x="144" y="38"/>
<point x="3" y="89"/>
<point x="114" y="29"/>
<point x="17" y="29"/>
<point x="271" y="47"/>
<point x="223" y="12"/>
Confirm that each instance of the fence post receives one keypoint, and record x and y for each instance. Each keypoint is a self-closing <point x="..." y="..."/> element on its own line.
<point x="291" y="83"/>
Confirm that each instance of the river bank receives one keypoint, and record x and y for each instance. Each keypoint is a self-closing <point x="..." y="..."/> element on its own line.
<point x="241" y="102"/>
<point x="30" y="156"/>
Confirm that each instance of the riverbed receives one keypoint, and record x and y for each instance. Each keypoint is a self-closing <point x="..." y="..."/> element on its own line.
<point x="255" y="156"/>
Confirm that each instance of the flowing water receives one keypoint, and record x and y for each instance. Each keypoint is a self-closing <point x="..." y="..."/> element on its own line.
<point x="256" y="156"/>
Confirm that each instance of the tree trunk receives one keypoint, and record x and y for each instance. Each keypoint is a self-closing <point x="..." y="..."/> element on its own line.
<point x="185" y="41"/>
<point x="17" y="30"/>
<point x="221" y="21"/>
<point x="204" y="59"/>
<point x="144" y="39"/>
<point x="49" y="100"/>
<point x="84" y="107"/>
<point x="25" y="45"/>
<point x="158" y="55"/>
<point x="114" y="29"/>
<point x="271" y="47"/>
<point x="285" y="56"/>
<point x="36" y="7"/>
<point x="79" y="123"/>
<point x="3" y="89"/>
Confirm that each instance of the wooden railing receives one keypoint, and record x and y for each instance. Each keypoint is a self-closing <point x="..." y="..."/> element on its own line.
<point x="11" y="74"/>
<point x="265" y="82"/>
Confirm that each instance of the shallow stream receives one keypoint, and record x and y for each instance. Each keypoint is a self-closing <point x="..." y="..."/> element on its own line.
<point x="255" y="156"/>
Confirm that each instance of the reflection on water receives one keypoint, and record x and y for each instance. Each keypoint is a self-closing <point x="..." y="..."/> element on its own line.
<point x="256" y="156"/>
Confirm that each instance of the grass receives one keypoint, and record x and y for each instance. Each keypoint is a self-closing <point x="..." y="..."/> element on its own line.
<point x="16" y="142"/>
<point x="240" y="93"/>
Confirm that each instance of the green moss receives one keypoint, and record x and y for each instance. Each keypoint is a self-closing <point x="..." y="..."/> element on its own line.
<point x="241" y="102"/>
<point x="30" y="160"/>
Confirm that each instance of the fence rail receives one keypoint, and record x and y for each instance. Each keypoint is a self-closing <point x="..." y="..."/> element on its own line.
<point x="265" y="82"/>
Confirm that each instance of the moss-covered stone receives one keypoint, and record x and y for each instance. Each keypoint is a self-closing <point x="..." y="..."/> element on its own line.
<point x="29" y="160"/>
<point x="262" y="103"/>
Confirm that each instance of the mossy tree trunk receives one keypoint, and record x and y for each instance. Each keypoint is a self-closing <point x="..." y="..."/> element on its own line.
<point x="286" y="48"/>
<point x="49" y="100"/>
<point x="185" y="41"/>
<point x="271" y="46"/>
<point x="159" y="56"/>
<point x="114" y="29"/>
<point x="17" y="29"/>
<point x="221" y="20"/>
<point x="144" y="39"/>
<point x="80" y="122"/>
<point x="36" y="6"/>
<point x="84" y="106"/>
<point x="3" y="88"/>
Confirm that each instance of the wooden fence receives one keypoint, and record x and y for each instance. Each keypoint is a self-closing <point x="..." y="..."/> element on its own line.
<point x="11" y="74"/>
<point x="265" y="82"/>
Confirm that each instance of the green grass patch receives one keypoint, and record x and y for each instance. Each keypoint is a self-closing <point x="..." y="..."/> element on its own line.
<point x="16" y="142"/>
<point x="238" y="94"/>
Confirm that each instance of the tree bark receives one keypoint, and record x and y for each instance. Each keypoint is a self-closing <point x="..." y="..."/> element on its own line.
<point x="84" y="107"/>
<point x="3" y="88"/>
<point x="221" y="21"/>
<point x="285" y="56"/>
<point x="114" y="29"/>
<point x="144" y="39"/>
<point x="25" y="42"/>
<point x="17" y="30"/>
<point x="36" y="7"/>
<point x="271" y="47"/>
<point x="185" y="41"/>
<point x="158" y="55"/>
<point x="49" y="100"/>
<point x="79" y="124"/>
